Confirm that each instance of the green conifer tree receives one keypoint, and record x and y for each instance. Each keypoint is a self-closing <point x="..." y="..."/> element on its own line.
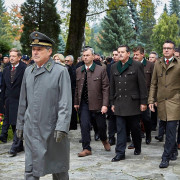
<point x="165" y="9"/>
<point x="175" y="7"/>
<point x="62" y="45"/>
<point x="116" y="29"/>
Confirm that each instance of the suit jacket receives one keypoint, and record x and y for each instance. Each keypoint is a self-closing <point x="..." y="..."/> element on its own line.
<point x="127" y="88"/>
<point x="98" y="87"/>
<point x="148" y="71"/>
<point x="165" y="89"/>
<point x="11" y="92"/>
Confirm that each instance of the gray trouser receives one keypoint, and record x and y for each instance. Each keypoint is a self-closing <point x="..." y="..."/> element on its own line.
<point x="56" y="176"/>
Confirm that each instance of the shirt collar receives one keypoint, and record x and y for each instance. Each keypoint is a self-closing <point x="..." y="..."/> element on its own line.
<point x="170" y="59"/>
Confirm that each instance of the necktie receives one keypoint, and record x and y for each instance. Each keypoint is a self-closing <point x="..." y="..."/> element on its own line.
<point x="87" y="69"/>
<point x="167" y="61"/>
<point x="13" y="68"/>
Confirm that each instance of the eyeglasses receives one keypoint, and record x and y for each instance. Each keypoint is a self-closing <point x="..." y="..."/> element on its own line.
<point x="167" y="48"/>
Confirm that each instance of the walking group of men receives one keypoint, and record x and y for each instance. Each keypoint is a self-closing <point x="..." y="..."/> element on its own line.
<point x="126" y="91"/>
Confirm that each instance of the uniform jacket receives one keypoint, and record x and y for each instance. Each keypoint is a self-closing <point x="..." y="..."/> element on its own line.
<point x="148" y="71"/>
<point x="11" y="92"/>
<point x="165" y="89"/>
<point x="127" y="88"/>
<point x="45" y="105"/>
<point x="98" y="86"/>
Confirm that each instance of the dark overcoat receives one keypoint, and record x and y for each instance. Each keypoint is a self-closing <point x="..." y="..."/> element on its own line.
<point x="98" y="87"/>
<point x="128" y="88"/>
<point x="11" y="91"/>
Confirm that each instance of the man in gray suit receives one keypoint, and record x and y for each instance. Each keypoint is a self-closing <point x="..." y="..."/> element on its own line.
<point x="44" y="113"/>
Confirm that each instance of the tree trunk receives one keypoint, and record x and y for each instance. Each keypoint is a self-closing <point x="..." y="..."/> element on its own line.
<point x="76" y="27"/>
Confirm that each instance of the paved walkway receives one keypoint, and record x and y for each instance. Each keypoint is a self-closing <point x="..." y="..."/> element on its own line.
<point x="99" y="165"/>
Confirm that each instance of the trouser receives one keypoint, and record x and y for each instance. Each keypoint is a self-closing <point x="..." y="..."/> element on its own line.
<point x="162" y="128"/>
<point x="86" y="115"/>
<point x="111" y="126"/>
<point x="178" y="135"/>
<point x="56" y="176"/>
<point x="170" y="143"/>
<point x="147" y="122"/>
<point x="134" y="124"/>
<point x="154" y="118"/>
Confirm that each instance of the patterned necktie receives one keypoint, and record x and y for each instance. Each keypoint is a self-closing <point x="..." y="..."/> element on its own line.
<point x="167" y="61"/>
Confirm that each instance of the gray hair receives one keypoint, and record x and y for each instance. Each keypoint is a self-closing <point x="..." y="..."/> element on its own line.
<point x="71" y="56"/>
<point x="154" y="52"/>
<point x="89" y="48"/>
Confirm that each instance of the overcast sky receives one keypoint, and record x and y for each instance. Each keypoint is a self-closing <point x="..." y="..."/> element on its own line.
<point x="159" y="9"/>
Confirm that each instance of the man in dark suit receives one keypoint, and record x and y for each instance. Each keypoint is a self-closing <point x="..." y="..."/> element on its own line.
<point x="11" y="85"/>
<point x="128" y="97"/>
<point x="148" y="71"/>
<point x="92" y="99"/>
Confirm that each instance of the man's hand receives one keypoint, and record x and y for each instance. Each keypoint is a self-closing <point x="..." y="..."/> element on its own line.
<point x="19" y="133"/>
<point x="76" y="107"/>
<point x="151" y="107"/>
<point x="113" y="108"/>
<point x="59" y="135"/>
<point x="143" y="107"/>
<point x="104" y="109"/>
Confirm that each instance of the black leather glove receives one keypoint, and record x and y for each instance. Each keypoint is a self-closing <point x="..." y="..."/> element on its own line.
<point x="59" y="135"/>
<point x="19" y="133"/>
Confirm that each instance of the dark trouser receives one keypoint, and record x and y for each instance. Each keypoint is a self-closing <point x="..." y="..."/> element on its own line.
<point x="147" y="122"/>
<point x="56" y="176"/>
<point x="154" y="118"/>
<point x="162" y="128"/>
<point x="112" y="126"/>
<point x="170" y="143"/>
<point x="134" y="124"/>
<point x="86" y="115"/>
<point x="178" y="135"/>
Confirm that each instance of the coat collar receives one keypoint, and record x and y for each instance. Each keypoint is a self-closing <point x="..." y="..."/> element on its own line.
<point x="173" y="62"/>
<point x="144" y="62"/>
<point x="126" y="65"/>
<point x="91" y="68"/>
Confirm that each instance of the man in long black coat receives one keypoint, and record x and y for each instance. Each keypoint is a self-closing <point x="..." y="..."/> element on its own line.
<point x="11" y="85"/>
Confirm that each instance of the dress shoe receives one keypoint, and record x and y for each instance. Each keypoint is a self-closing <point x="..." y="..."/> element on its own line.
<point x="106" y="145"/>
<point x="118" y="157"/>
<point x="137" y="152"/>
<point x="164" y="164"/>
<point x="84" y="153"/>
<point x="20" y="149"/>
<point x="12" y="152"/>
<point x="131" y="146"/>
<point x="148" y="140"/>
<point x="173" y="156"/>
<point x="159" y="138"/>
<point x="3" y="139"/>
<point x="178" y="146"/>
<point x="96" y="137"/>
<point x="112" y="141"/>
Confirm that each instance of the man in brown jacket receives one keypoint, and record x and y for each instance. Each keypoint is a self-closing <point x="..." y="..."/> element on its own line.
<point x="92" y="99"/>
<point x="165" y="90"/>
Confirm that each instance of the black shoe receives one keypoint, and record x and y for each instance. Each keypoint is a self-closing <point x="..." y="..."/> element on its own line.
<point x="80" y="141"/>
<point x="3" y="139"/>
<point x="164" y="164"/>
<point x="20" y="149"/>
<point x="118" y="158"/>
<point x="128" y="139"/>
<point x="148" y="140"/>
<point x="112" y="141"/>
<point x="159" y="138"/>
<point x="174" y="156"/>
<point x="131" y="146"/>
<point x="96" y="137"/>
<point x="137" y="152"/>
<point x="12" y="152"/>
